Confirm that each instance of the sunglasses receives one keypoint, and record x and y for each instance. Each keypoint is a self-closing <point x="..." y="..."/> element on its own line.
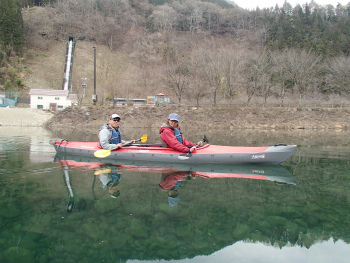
<point x="116" y="119"/>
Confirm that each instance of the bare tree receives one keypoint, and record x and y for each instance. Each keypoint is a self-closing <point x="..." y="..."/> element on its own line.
<point x="232" y="67"/>
<point x="107" y="76"/>
<point x="211" y="71"/>
<point x="165" y="17"/>
<point x="176" y="78"/>
<point x="280" y="71"/>
<point x="338" y="78"/>
<point x="198" y="88"/>
<point x="303" y="67"/>
<point x="258" y="75"/>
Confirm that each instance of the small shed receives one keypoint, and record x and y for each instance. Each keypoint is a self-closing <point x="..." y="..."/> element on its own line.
<point x="121" y="101"/>
<point x="151" y="100"/>
<point x="129" y="102"/>
<point x="161" y="99"/>
<point x="139" y="102"/>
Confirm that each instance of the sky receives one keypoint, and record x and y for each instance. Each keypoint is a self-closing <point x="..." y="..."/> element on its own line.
<point x="243" y="251"/>
<point x="252" y="4"/>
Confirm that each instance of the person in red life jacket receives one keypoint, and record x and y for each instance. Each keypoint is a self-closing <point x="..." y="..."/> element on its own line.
<point x="110" y="135"/>
<point x="171" y="136"/>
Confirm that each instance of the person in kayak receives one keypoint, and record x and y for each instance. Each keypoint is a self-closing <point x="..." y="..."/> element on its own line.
<point x="171" y="135"/>
<point x="110" y="135"/>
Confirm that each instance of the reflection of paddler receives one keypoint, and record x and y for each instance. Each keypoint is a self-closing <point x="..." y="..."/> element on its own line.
<point x="109" y="179"/>
<point x="172" y="183"/>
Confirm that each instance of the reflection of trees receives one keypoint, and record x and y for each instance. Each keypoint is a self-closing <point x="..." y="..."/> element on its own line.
<point x="213" y="214"/>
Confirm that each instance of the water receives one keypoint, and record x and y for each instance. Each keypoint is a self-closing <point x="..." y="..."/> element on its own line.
<point x="60" y="209"/>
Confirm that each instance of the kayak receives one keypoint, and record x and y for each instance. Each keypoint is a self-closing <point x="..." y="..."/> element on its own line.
<point x="270" y="172"/>
<point x="150" y="152"/>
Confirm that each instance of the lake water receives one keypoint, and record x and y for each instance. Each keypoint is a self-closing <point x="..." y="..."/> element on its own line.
<point x="62" y="208"/>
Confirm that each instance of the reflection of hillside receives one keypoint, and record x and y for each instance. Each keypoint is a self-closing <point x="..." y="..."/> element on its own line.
<point x="332" y="152"/>
<point x="17" y="140"/>
<point x="212" y="214"/>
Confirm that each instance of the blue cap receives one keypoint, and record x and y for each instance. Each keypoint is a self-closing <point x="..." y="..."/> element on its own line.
<point x="173" y="200"/>
<point x="174" y="117"/>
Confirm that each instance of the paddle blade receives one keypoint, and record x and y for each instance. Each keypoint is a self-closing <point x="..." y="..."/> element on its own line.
<point x="183" y="157"/>
<point x="144" y="138"/>
<point x="103" y="171"/>
<point x="102" y="153"/>
<point x="70" y="205"/>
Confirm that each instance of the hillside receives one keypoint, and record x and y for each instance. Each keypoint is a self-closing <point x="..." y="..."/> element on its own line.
<point x="132" y="69"/>
<point x="205" y="55"/>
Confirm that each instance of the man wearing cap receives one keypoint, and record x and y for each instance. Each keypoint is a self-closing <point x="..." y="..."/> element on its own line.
<point x="171" y="135"/>
<point x="110" y="135"/>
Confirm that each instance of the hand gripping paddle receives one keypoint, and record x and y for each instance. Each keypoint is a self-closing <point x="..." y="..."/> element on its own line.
<point x="105" y="153"/>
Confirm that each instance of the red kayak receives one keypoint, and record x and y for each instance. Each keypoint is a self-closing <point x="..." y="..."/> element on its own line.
<point x="204" y="154"/>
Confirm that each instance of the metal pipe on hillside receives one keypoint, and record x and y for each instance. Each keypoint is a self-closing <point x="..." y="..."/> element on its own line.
<point x="94" y="96"/>
<point x="68" y="65"/>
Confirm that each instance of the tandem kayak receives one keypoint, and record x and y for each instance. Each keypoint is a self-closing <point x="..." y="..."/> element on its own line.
<point x="215" y="154"/>
<point x="269" y="172"/>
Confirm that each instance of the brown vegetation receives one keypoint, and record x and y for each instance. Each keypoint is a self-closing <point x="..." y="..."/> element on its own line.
<point x="194" y="67"/>
<point x="207" y="118"/>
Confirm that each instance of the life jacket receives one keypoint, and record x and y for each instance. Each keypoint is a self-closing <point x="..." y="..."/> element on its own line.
<point x="178" y="135"/>
<point x="116" y="137"/>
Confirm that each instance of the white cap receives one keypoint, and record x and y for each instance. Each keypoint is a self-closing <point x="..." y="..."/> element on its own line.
<point x="115" y="116"/>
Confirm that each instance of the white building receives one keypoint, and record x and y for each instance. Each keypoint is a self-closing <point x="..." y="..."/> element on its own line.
<point x="51" y="99"/>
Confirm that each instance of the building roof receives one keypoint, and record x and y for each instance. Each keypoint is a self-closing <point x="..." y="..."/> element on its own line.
<point x="49" y="92"/>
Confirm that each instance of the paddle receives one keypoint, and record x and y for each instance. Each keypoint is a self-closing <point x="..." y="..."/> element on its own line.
<point x="70" y="190"/>
<point x="104" y="153"/>
<point x="185" y="156"/>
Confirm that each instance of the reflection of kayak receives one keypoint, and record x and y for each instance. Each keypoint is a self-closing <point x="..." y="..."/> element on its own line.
<point x="271" y="172"/>
<point x="204" y="154"/>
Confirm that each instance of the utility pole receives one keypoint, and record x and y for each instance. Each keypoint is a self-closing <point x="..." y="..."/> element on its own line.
<point x="94" y="96"/>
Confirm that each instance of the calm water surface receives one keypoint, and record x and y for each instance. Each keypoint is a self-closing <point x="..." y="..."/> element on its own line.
<point x="68" y="209"/>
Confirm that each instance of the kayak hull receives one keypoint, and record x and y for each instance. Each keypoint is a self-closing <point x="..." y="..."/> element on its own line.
<point x="215" y="154"/>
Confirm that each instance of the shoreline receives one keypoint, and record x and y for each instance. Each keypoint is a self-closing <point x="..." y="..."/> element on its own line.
<point x="231" y="118"/>
<point x="220" y="117"/>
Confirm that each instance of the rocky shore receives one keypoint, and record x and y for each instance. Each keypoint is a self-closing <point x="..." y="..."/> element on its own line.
<point x="231" y="118"/>
<point x="266" y="118"/>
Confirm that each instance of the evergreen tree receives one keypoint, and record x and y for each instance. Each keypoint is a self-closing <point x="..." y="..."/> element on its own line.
<point x="12" y="37"/>
<point x="324" y="31"/>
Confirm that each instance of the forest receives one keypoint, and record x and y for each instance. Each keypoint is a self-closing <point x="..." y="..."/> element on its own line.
<point x="200" y="52"/>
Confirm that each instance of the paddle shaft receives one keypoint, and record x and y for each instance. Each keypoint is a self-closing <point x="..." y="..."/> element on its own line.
<point x="189" y="153"/>
<point x="104" y="153"/>
<point x="130" y="142"/>
<point x="205" y="139"/>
